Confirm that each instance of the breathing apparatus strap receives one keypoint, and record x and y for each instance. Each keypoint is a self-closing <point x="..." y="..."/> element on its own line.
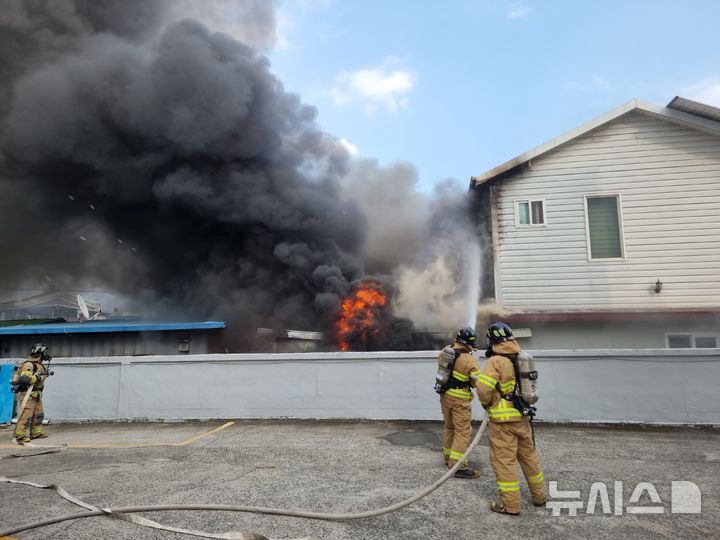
<point x="454" y="383"/>
<point x="516" y="398"/>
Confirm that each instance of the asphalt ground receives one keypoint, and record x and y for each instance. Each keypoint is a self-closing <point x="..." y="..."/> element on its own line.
<point x="336" y="467"/>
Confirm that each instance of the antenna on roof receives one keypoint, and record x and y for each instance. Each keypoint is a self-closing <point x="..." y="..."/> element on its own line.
<point x="84" y="310"/>
<point x="83" y="307"/>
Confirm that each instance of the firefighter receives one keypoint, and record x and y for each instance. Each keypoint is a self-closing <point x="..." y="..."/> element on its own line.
<point x="511" y="436"/>
<point x="456" y="403"/>
<point x="32" y="373"/>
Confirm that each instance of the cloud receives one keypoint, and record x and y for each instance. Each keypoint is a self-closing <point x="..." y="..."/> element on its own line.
<point x="374" y="87"/>
<point x="350" y="147"/>
<point x="517" y="10"/>
<point x="706" y="91"/>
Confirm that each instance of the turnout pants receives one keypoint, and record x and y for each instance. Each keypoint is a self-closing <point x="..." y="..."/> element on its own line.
<point x="510" y="443"/>
<point x="31" y="417"/>
<point x="457" y="414"/>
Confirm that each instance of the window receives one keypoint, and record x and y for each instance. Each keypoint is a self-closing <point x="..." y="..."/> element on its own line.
<point x="603" y="227"/>
<point x="691" y="341"/>
<point x="679" y="342"/>
<point x="529" y="213"/>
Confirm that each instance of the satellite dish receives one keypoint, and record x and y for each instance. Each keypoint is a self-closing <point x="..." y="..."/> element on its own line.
<point x="83" y="307"/>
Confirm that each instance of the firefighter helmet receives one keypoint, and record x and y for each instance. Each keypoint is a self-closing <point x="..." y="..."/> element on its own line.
<point x="39" y="349"/>
<point x="499" y="332"/>
<point x="466" y="336"/>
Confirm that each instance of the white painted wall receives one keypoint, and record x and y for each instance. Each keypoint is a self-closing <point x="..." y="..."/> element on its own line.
<point x="668" y="179"/>
<point x="662" y="386"/>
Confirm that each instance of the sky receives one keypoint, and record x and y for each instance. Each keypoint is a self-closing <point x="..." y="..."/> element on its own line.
<point x="458" y="87"/>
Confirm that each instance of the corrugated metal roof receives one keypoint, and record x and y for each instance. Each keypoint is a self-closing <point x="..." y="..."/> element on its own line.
<point x="51" y="298"/>
<point x="690" y="119"/>
<point x="290" y="334"/>
<point x="693" y="107"/>
<point x="108" y="327"/>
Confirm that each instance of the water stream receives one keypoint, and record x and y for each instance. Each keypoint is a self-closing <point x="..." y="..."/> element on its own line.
<point x="473" y="272"/>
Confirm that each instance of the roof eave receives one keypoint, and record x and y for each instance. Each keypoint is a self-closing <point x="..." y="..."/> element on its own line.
<point x="663" y="113"/>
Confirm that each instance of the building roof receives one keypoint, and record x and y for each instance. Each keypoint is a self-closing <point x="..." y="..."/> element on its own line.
<point x="693" y="107"/>
<point x="50" y="298"/>
<point x="679" y="111"/>
<point x="109" y="326"/>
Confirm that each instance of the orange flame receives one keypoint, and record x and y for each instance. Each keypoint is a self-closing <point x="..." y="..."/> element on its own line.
<point x="358" y="316"/>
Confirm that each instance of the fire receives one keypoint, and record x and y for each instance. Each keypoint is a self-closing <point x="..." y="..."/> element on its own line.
<point x="359" y="316"/>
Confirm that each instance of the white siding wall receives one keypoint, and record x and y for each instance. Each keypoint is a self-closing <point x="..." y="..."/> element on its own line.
<point x="668" y="179"/>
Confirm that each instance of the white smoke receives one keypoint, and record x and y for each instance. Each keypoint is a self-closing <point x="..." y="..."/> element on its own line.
<point x="426" y="242"/>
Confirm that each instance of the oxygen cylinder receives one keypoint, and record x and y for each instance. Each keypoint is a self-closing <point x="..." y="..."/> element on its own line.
<point x="528" y="378"/>
<point x="15" y="377"/>
<point x="446" y="363"/>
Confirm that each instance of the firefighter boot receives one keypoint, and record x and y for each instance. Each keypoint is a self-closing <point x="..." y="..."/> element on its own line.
<point x="470" y="474"/>
<point x="500" y="509"/>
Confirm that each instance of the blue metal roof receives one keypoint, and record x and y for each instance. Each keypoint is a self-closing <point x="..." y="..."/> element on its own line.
<point x="107" y="326"/>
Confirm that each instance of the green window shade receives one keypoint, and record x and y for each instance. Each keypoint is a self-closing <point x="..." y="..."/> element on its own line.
<point x="523" y="213"/>
<point x="604" y="228"/>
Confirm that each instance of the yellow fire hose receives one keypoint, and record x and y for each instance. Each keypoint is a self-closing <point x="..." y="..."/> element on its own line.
<point x="124" y="512"/>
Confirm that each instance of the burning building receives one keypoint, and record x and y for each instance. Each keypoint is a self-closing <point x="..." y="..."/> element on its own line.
<point x="151" y="156"/>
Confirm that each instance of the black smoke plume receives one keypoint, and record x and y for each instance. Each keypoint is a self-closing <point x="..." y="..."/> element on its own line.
<point x="158" y="159"/>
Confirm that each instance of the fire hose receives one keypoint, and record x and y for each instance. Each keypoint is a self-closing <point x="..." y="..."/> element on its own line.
<point x="125" y="511"/>
<point x="28" y="393"/>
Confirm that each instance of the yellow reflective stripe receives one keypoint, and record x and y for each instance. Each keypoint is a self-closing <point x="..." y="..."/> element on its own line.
<point x="446" y="451"/>
<point x="457" y="456"/>
<point x="474" y="374"/>
<point x="460" y="393"/>
<point x="504" y="411"/>
<point x="31" y="375"/>
<point x="508" y="486"/>
<point x="460" y="377"/>
<point x="536" y="478"/>
<point x="487" y="381"/>
<point x="504" y="416"/>
<point x="507" y="386"/>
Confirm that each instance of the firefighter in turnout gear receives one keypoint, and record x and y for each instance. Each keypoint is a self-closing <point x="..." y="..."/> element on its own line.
<point x="456" y="401"/>
<point x="511" y="436"/>
<point x="32" y="374"/>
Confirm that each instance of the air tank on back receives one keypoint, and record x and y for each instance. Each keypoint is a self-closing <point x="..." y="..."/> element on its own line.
<point x="528" y="377"/>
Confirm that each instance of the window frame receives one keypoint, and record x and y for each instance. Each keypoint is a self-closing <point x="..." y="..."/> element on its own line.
<point x="692" y="336"/>
<point x="516" y="207"/>
<point x="621" y="228"/>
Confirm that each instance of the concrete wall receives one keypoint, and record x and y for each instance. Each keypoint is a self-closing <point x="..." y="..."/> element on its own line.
<point x="660" y="386"/>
